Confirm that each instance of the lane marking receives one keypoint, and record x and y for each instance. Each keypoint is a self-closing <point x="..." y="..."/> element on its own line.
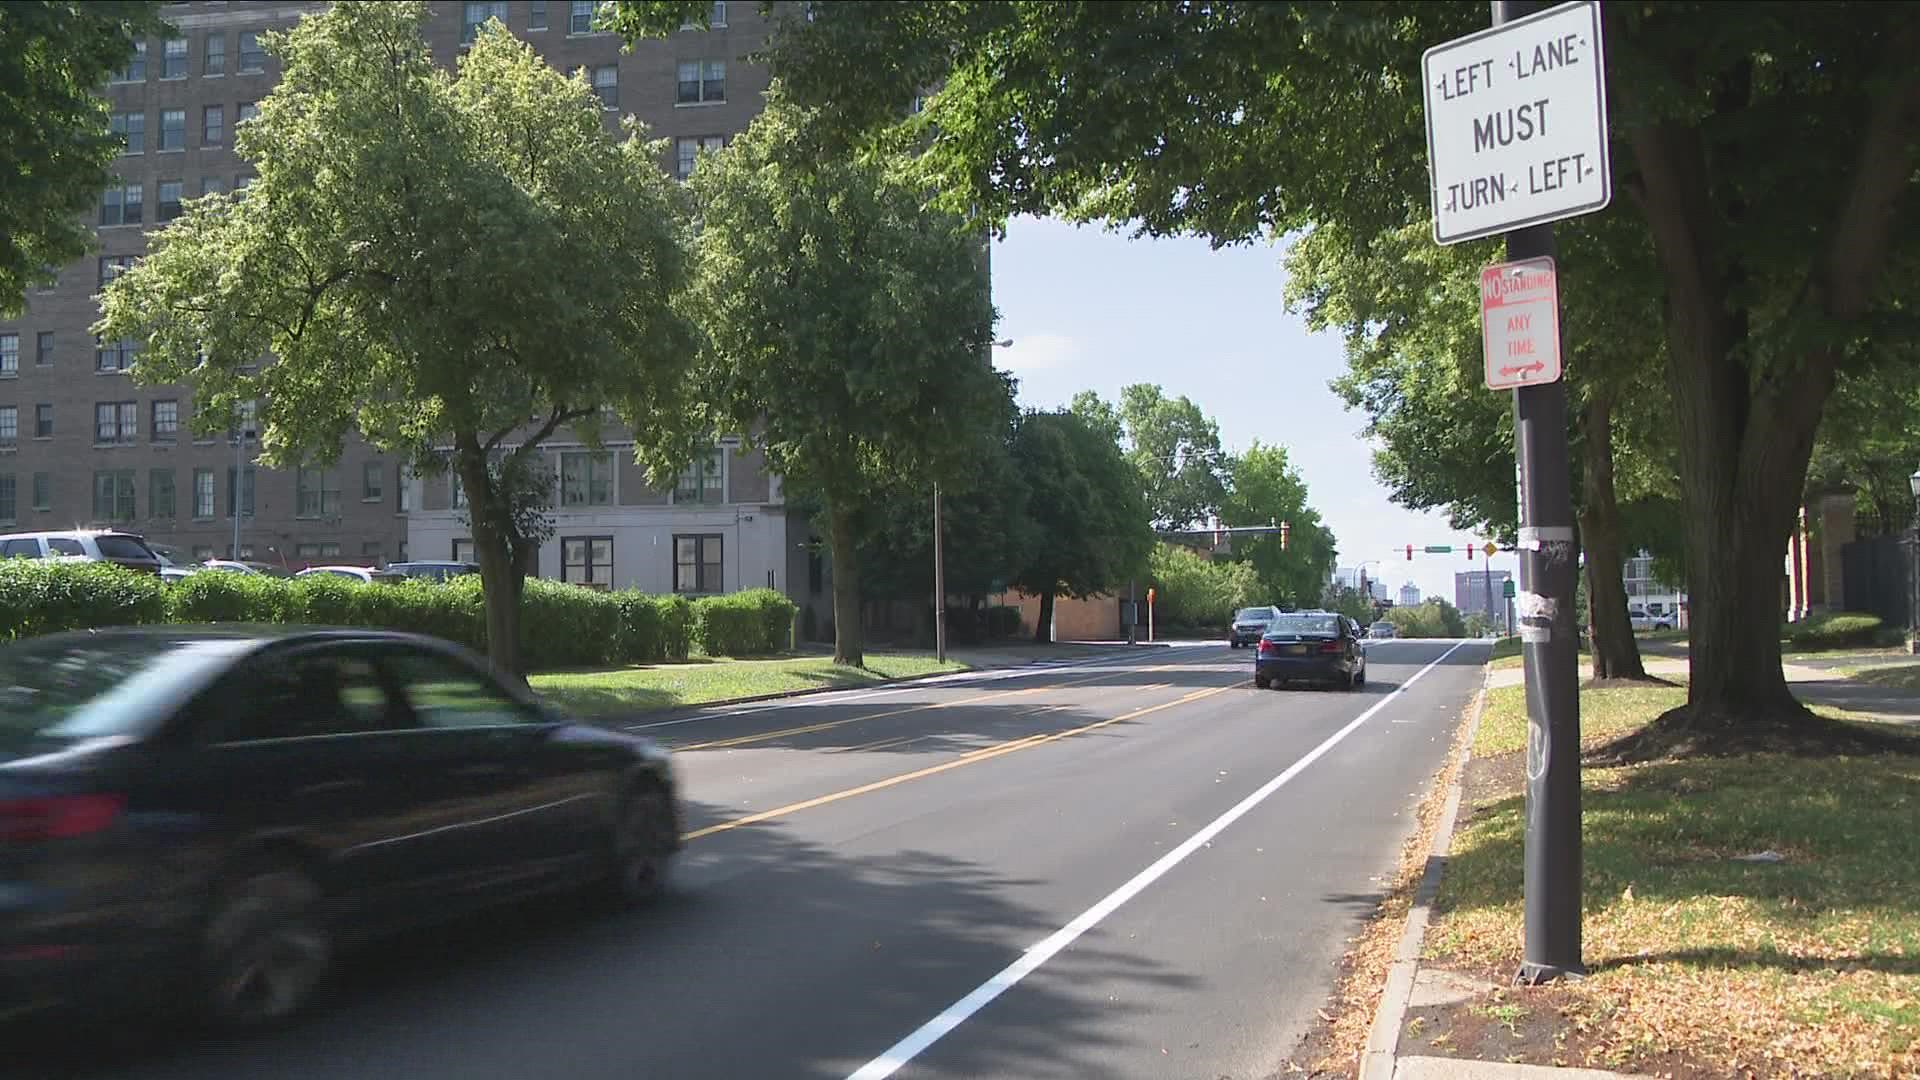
<point x="968" y="758"/>
<point x="828" y="725"/>
<point x="954" y="1015"/>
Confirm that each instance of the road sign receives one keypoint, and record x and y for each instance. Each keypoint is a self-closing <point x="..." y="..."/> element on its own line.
<point x="1491" y="549"/>
<point x="1438" y="549"/>
<point x="1506" y="588"/>
<point x="1520" y="323"/>
<point x="1517" y="124"/>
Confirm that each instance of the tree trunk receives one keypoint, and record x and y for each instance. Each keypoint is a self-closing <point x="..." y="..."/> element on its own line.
<point x="1616" y="655"/>
<point x="501" y="572"/>
<point x="1043" y="624"/>
<point x="847" y="647"/>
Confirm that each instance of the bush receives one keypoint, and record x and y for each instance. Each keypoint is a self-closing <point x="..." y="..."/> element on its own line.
<point x="1433" y="619"/>
<point x="1003" y="621"/>
<point x="46" y="597"/>
<point x="1194" y="591"/>
<point x="1840" y="630"/>
<point x="224" y="597"/>
<point x="751" y="623"/>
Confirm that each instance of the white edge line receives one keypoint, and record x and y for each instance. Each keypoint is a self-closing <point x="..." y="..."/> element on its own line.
<point x="954" y="1015"/>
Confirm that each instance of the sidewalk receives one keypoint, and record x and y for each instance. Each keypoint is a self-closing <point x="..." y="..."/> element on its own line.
<point x="1813" y="679"/>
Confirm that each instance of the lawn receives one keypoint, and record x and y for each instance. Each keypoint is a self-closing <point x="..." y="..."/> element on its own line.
<point x="1891" y="677"/>
<point x="1506" y="654"/>
<point x="1807" y="963"/>
<point x="664" y="686"/>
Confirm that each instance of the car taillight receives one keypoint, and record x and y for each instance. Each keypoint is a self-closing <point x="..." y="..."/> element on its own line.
<point x="1330" y="647"/>
<point x="1265" y="647"/>
<point x="30" y="821"/>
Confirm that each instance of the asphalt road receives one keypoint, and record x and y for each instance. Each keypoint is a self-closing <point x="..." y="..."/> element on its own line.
<point x="1141" y="867"/>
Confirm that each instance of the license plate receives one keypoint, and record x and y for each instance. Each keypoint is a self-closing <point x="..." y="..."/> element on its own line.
<point x="1296" y="650"/>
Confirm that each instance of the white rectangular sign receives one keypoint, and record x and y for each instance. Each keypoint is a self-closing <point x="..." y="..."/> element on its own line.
<point x="1520" y="323"/>
<point x="1517" y="124"/>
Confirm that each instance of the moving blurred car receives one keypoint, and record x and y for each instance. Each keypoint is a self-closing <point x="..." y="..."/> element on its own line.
<point x="437" y="570"/>
<point x="205" y="815"/>
<point x="352" y="573"/>
<point x="1316" y="646"/>
<point x="1249" y="624"/>
<point x="1382" y="630"/>
<point x="93" y="545"/>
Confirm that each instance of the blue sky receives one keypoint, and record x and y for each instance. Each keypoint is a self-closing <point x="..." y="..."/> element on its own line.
<point x="1093" y="310"/>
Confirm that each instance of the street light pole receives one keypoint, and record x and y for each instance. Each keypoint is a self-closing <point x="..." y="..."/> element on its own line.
<point x="1913" y="568"/>
<point x="939" y="583"/>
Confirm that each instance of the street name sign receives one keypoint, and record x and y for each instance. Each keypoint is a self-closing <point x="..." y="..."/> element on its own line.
<point x="1520" y="323"/>
<point x="1517" y="124"/>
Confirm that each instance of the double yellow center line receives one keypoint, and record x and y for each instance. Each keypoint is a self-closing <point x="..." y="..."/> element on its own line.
<point x="973" y="757"/>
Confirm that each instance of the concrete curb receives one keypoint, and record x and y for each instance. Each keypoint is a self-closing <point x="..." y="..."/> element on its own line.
<point x="1383" y="1037"/>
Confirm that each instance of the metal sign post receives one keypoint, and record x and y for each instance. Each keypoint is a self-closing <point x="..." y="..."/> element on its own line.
<point x="1516" y="140"/>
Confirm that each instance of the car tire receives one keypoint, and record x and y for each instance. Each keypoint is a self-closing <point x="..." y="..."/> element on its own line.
<point x="1260" y="683"/>
<point x="266" y="948"/>
<point x="640" y="844"/>
<point x="1360" y="677"/>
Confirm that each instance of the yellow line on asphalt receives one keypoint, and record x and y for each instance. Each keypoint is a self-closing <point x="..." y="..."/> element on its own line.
<point x="825" y="725"/>
<point x="965" y="759"/>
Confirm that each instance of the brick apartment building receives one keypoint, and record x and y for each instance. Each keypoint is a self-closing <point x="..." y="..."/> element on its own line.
<point x="82" y="444"/>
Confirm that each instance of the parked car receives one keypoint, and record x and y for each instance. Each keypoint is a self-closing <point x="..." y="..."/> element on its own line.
<point x="437" y="570"/>
<point x="1249" y="624"/>
<point x="92" y="545"/>
<point x="1382" y="630"/>
<point x="352" y="573"/>
<point x="1304" y="646"/>
<point x="208" y="815"/>
<point x="234" y="567"/>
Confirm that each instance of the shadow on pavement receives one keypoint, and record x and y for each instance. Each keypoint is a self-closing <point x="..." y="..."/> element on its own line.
<point x="774" y="958"/>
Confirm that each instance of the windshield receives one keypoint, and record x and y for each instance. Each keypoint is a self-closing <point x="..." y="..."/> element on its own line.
<point x="1253" y="614"/>
<point x="82" y="687"/>
<point x="1306" y="624"/>
<point x="122" y="547"/>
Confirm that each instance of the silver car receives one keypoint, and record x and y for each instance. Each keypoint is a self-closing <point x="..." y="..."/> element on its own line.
<point x="1249" y="624"/>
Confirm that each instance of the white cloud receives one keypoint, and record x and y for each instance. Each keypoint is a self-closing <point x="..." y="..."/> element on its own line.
<point x="1037" y="352"/>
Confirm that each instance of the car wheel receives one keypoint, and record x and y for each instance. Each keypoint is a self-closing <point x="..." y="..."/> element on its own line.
<point x="642" y="844"/>
<point x="266" y="948"/>
<point x="1261" y="682"/>
<point x="1360" y="677"/>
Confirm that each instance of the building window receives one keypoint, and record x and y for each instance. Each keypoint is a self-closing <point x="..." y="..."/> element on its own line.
<point x="373" y="481"/>
<point x="243" y="486"/>
<point x="325" y="549"/>
<point x="687" y="152"/>
<point x="477" y="15"/>
<point x="245" y="422"/>
<point x="114" y="355"/>
<point x="9" y="354"/>
<point x="203" y="494"/>
<point x="696" y="564"/>
<point x="9" y="495"/>
<point x="160" y="493"/>
<point x="43" y="349"/>
<point x="43" y="421"/>
<point x="42" y="491"/>
<point x="123" y="204"/>
<point x="170" y="195"/>
<point x="132" y="129"/>
<point x="166" y="420"/>
<point x="463" y="551"/>
<point x="213" y="125"/>
<point x="116" y="422"/>
<point x="314" y="494"/>
<point x="173" y="129"/>
<point x="606" y="85"/>
<point x="716" y="17"/>
<point x="537" y="15"/>
<point x="372" y="553"/>
<point x="253" y="58"/>
<point x="202" y="552"/>
<point x="586" y="479"/>
<point x="9" y="424"/>
<point x="216" y="62"/>
<point x="248" y="110"/>
<point x="212" y="185"/>
<point x="112" y="266"/>
<point x="704" y="481"/>
<point x="587" y="560"/>
<point x="459" y="492"/>
<point x="173" y="58"/>
<point x="702" y="81"/>
<point x="404" y="482"/>
<point x="113" y="495"/>
<point x="580" y="20"/>
<point x="136" y="69"/>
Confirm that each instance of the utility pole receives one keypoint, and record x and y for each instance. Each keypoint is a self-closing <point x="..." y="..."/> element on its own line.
<point x="1551" y="876"/>
<point x="939" y="582"/>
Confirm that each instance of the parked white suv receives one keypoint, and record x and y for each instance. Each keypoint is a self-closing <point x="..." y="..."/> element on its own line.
<point x="93" y="545"/>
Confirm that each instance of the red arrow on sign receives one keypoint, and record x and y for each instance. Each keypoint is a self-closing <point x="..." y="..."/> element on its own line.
<point x="1536" y="367"/>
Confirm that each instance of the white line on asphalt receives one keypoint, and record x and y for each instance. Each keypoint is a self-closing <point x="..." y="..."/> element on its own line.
<point x="956" y="1014"/>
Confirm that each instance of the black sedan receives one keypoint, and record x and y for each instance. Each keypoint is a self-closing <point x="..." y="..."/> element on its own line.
<point x="1305" y="646"/>
<point x="206" y="816"/>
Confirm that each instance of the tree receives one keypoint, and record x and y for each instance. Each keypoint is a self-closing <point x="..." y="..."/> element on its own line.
<point x="1266" y="490"/>
<point x="1768" y="161"/>
<point x="1091" y="524"/>
<point x="849" y="326"/>
<point x="59" y="148"/>
<point x="1869" y="444"/>
<point x="459" y="266"/>
<point x="1173" y="446"/>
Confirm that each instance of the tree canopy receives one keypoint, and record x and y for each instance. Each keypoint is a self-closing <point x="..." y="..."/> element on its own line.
<point x="1267" y="490"/>
<point x="59" y="149"/>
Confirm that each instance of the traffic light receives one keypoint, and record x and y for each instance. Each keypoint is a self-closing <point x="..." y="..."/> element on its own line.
<point x="1409" y="552"/>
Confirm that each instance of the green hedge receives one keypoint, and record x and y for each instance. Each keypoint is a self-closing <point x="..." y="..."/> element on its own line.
<point x="561" y="625"/>
<point x="1839" y="630"/>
